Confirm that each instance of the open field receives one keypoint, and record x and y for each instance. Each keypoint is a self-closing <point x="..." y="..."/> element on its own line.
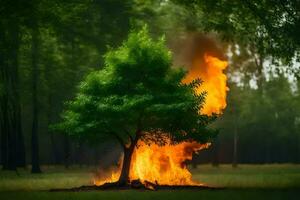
<point x="245" y="182"/>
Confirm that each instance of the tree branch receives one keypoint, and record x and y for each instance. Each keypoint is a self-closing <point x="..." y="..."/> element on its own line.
<point x="263" y="19"/>
<point x="119" y="139"/>
<point x="128" y="134"/>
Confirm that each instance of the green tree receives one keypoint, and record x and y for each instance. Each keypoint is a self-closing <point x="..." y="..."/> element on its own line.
<point x="269" y="117"/>
<point x="269" y="26"/>
<point x="137" y="96"/>
<point x="12" y="141"/>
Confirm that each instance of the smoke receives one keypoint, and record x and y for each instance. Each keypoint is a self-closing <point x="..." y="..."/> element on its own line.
<point x="194" y="46"/>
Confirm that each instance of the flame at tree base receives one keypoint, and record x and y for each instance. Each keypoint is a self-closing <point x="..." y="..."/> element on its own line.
<point x="162" y="165"/>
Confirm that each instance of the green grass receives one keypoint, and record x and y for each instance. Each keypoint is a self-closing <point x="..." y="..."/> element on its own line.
<point x="245" y="182"/>
<point x="52" y="177"/>
<point x="250" y="176"/>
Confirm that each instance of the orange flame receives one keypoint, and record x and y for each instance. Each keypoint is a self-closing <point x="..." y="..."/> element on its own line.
<point x="214" y="82"/>
<point x="109" y="176"/>
<point x="166" y="165"/>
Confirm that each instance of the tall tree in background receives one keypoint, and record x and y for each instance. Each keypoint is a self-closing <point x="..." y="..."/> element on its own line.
<point x="35" y="74"/>
<point x="13" y="148"/>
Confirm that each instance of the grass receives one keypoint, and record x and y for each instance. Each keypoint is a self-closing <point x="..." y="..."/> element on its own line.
<point x="250" y="176"/>
<point x="245" y="182"/>
<point x="51" y="178"/>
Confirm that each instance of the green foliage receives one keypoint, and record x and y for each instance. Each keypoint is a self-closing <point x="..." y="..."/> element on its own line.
<point x="265" y="119"/>
<point x="271" y="27"/>
<point x="137" y="90"/>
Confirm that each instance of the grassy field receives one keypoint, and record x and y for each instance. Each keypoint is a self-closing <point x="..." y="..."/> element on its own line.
<point x="245" y="182"/>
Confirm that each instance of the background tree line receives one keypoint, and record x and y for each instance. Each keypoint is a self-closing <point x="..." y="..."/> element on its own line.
<point x="47" y="47"/>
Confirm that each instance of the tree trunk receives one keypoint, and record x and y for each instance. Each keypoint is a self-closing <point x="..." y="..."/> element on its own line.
<point x="128" y="151"/>
<point x="50" y="120"/>
<point x="17" y="121"/>
<point x="124" y="177"/>
<point x="34" y="137"/>
<point x="53" y="149"/>
<point x="298" y="148"/>
<point x="215" y="161"/>
<point x="3" y="104"/>
<point x="4" y="134"/>
<point x="13" y="147"/>
<point x="79" y="155"/>
<point x="267" y="151"/>
<point x="3" y="107"/>
<point x="12" y="92"/>
<point x="12" y="164"/>
<point x="66" y="151"/>
<point x="21" y="152"/>
<point x="235" y="148"/>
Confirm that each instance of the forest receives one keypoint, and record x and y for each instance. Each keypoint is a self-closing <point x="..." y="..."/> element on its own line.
<point x="48" y="47"/>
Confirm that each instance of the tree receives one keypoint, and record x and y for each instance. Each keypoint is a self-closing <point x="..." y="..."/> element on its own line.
<point x="137" y="96"/>
<point x="34" y="137"/>
<point x="271" y="26"/>
<point x="231" y="120"/>
<point x="256" y="128"/>
<point x="12" y="148"/>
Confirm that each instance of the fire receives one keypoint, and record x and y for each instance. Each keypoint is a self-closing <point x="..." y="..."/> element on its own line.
<point x="210" y="70"/>
<point x="163" y="165"/>
<point x="166" y="165"/>
<point x="109" y="176"/>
